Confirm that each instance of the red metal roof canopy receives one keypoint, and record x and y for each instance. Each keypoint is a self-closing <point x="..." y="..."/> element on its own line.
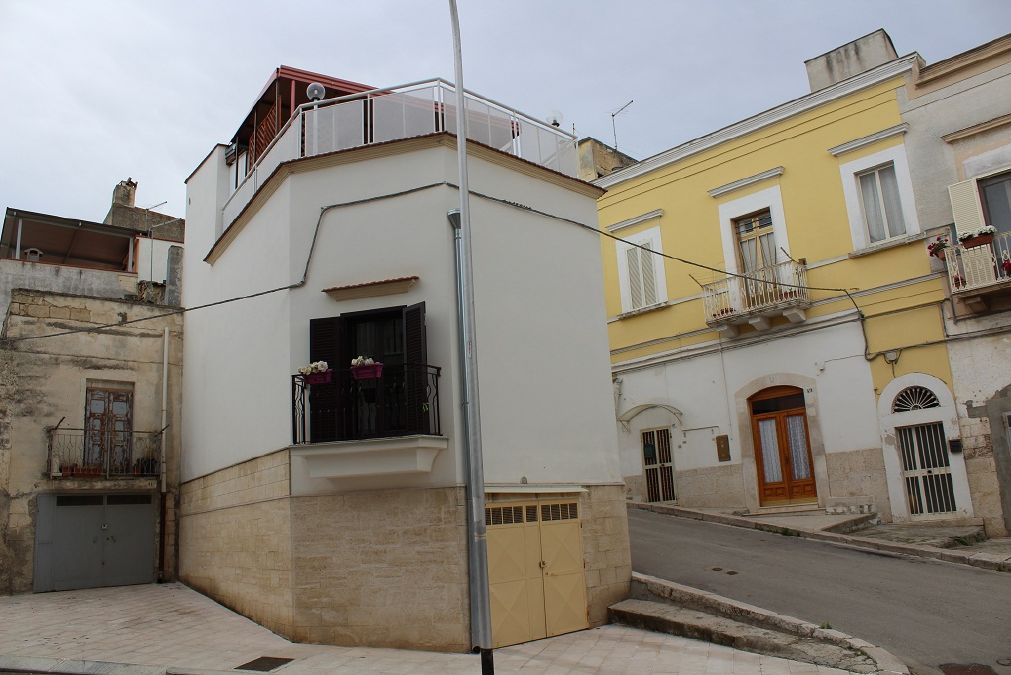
<point x="283" y="93"/>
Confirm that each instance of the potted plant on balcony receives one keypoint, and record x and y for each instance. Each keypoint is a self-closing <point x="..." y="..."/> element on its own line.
<point x="937" y="247"/>
<point x="981" y="236"/>
<point x="725" y="311"/>
<point x="317" y="372"/>
<point x="364" y="368"/>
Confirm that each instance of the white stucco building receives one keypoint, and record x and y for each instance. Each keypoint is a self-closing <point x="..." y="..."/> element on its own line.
<point x="334" y="511"/>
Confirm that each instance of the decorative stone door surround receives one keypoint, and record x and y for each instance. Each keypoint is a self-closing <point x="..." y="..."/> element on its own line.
<point x="946" y="414"/>
<point x="749" y="466"/>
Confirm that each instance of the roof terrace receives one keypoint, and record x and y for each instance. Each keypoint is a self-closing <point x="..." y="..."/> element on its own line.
<point x="388" y="114"/>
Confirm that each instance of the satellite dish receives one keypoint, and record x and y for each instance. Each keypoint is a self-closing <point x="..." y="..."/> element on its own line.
<point x="315" y="91"/>
<point x="556" y="118"/>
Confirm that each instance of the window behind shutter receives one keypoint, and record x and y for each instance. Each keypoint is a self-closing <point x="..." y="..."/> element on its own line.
<point x="965" y="205"/>
<point x="327" y="403"/>
<point x="634" y="278"/>
<point x="648" y="274"/>
<point x="416" y="368"/>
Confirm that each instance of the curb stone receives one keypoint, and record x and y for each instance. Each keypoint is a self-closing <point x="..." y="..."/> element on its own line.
<point x="987" y="561"/>
<point x="886" y="663"/>
<point x="38" y="664"/>
<point x="34" y="664"/>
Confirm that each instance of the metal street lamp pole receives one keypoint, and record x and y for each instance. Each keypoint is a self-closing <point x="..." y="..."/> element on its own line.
<point x="480" y="601"/>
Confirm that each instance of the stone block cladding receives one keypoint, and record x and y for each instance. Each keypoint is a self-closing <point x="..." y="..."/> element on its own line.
<point x="41" y="385"/>
<point x="606" y="555"/>
<point x="235" y="539"/>
<point x="860" y="473"/>
<point x="383" y="568"/>
<point x="981" y="470"/>
<point x="710" y="487"/>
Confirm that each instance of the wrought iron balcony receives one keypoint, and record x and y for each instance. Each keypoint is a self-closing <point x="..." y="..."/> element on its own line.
<point x="978" y="273"/>
<point x="771" y="291"/>
<point x="403" y="401"/>
<point x="99" y="453"/>
<point x="406" y="111"/>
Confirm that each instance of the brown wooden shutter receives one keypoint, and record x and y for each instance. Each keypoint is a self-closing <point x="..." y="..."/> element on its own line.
<point x="328" y="403"/>
<point x="416" y="369"/>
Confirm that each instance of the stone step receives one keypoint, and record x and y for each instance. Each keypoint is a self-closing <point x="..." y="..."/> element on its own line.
<point x="699" y="625"/>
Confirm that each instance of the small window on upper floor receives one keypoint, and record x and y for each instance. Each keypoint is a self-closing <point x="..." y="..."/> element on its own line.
<point x="882" y="208"/>
<point x="640" y="271"/>
<point x="995" y="193"/>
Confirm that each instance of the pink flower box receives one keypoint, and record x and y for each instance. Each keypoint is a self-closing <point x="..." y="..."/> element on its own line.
<point x="370" y="372"/>
<point x="326" y="377"/>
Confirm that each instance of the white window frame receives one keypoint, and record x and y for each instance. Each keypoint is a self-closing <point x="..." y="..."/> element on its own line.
<point x="770" y="198"/>
<point x="652" y="238"/>
<point x="850" y="174"/>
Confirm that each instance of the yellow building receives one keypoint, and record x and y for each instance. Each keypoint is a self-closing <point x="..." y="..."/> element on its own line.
<point x="774" y="319"/>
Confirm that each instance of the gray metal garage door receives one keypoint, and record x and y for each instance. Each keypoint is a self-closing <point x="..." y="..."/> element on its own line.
<point x="84" y="541"/>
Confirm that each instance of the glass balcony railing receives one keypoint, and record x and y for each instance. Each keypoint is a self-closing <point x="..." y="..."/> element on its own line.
<point x="417" y="109"/>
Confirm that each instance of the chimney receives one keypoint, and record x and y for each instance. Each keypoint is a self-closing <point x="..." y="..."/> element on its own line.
<point x="851" y="59"/>
<point x="125" y="192"/>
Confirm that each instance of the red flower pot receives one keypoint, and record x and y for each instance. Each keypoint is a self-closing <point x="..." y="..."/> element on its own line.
<point x="369" y="372"/>
<point x="326" y="377"/>
<point x="981" y="240"/>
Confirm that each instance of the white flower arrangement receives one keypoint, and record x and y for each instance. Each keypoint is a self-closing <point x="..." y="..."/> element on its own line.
<point x="314" y="367"/>
<point x="978" y="232"/>
<point x="361" y="361"/>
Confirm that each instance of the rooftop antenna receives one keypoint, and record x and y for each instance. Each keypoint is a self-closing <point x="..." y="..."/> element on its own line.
<point x="613" y="128"/>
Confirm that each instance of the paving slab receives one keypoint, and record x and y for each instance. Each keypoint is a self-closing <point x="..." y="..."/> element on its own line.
<point x="174" y="628"/>
<point x="939" y="536"/>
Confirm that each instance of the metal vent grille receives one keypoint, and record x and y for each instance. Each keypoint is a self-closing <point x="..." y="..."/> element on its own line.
<point x="567" y="511"/>
<point x="914" y="398"/>
<point x="503" y="515"/>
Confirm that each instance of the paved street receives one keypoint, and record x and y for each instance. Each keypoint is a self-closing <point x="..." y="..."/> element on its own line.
<point x="926" y="612"/>
<point x="171" y="625"/>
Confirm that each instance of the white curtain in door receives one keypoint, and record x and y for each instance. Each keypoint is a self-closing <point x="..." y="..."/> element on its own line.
<point x="798" y="447"/>
<point x="770" y="451"/>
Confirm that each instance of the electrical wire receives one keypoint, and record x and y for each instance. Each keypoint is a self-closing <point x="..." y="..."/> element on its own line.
<point x="326" y="209"/>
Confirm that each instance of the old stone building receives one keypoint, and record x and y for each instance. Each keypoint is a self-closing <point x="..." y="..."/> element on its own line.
<point x="89" y="400"/>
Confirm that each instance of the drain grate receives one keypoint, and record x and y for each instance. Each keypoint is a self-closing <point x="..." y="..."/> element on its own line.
<point x="265" y="664"/>
<point x="967" y="669"/>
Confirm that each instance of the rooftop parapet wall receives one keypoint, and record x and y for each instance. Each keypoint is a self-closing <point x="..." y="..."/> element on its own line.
<point x="850" y="59"/>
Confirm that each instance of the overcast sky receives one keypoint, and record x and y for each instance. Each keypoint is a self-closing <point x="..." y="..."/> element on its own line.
<point x="95" y="91"/>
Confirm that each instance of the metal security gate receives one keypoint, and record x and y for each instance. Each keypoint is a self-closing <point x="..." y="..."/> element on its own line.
<point x="658" y="465"/>
<point x="89" y="540"/>
<point x="926" y="469"/>
<point x="535" y="570"/>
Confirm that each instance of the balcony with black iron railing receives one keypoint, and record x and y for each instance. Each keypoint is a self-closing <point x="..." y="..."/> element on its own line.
<point x="402" y="401"/>
<point x="99" y="453"/>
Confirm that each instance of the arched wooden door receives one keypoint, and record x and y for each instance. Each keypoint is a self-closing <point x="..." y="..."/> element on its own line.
<point x="782" y="447"/>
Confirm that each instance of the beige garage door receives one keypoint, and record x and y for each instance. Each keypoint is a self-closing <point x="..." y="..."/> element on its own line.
<point x="535" y="570"/>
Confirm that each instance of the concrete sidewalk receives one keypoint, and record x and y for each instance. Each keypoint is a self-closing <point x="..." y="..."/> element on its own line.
<point x="170" y="626"/>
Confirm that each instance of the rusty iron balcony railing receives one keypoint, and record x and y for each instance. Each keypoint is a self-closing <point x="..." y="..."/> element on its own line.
<point x="403" y="401"/>
<point x="765" y="290"/>
<point x="405" y="111"/>
<point x="972" y="268"/>
<point x="96" y="453"/>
